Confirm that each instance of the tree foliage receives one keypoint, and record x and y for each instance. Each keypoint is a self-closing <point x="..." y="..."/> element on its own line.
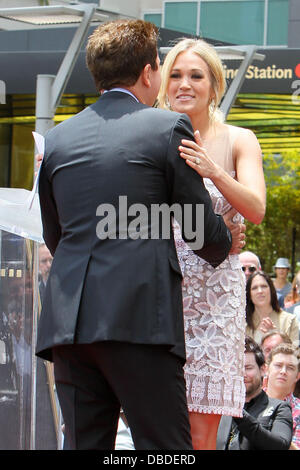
<point x="273" y="238"/>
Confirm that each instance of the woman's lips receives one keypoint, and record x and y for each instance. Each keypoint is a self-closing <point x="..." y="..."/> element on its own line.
<point x="184" y="97"/>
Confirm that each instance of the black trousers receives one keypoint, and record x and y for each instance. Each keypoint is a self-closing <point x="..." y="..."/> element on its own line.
<point x="94" y="381"/>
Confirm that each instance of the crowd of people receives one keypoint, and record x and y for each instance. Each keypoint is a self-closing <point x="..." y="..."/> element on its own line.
<point x="271" y="375"/>
<point x="173" y="304"/>
<point x="267" y="422"/>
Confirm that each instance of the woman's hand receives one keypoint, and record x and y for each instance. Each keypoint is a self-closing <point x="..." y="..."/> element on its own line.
<point x="38" y="158"/>
<point x="237" y="232"/>
<point x="246" y="191"/>
<point x="266" y="324"/>
<point x="196" y="156"/>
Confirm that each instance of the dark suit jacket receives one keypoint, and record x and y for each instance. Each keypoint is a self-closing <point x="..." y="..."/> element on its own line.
<point x="117" y="289"/>
<point x="267" y="424"/>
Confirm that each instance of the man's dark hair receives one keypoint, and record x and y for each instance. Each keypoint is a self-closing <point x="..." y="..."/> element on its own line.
<point x="118" y="51"/>
<point x="252" y="347"/>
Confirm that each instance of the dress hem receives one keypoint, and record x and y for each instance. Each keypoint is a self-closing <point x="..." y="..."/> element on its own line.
<point x="216" y="411"/>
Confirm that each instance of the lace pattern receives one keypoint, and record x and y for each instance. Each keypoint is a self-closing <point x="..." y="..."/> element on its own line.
<point x="214" y="316"/>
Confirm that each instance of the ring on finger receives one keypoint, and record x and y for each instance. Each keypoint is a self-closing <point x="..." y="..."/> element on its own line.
<point x="197" y="161"/>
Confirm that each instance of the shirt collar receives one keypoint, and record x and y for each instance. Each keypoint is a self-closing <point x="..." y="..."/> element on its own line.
<point x="289" y="397"/>
<point x="253" y="400"/>
<point x="122" y="90"/>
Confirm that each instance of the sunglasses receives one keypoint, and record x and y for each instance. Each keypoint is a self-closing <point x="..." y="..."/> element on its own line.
<point x="251" y="269"/>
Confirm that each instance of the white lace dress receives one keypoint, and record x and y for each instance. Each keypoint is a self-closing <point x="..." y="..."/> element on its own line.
<point x="214" y="315"/>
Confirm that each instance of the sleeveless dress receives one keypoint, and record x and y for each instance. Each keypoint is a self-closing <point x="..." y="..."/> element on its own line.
<point x="214" y="311"/>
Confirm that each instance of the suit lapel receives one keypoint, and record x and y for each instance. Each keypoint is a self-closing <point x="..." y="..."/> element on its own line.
<point x="223" y="432"/>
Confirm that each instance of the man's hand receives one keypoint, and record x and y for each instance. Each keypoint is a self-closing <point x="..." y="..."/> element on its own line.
<point x="237" y="232"/>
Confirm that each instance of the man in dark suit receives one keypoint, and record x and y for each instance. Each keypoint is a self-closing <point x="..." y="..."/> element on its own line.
<point x="112" y="318"/>
<point x="267" y="423"/>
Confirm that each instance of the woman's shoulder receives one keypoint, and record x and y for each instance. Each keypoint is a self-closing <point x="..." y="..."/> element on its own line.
<point x="240" y="132"/>
<point x="237" y="135"/>
<point x="286" y="314"/>
<point x="243" y="139"/>
<point x="287" y="317"/>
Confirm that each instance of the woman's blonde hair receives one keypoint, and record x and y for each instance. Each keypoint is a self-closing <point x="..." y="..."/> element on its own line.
<point x="211" y="58"/>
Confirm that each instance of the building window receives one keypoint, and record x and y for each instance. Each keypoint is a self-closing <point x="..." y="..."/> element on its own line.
<point x="17" y="121"/>
<point x="277" y="25"/>
<point x="154" y="18"/>
<point x="260" y="22"/>
<point x="181" y="16"/>
<point x="235" y="22"/>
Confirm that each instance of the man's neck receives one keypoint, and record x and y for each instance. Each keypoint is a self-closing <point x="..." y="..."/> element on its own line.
<point x="253" y="395"/>
<point x="272" y="392"/>
<point x="280" y="283"/>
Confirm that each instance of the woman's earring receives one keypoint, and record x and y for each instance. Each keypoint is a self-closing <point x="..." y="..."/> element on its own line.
<point x="212" y="107"/>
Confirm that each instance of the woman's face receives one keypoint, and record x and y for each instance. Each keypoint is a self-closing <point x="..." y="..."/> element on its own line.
<point x="260" y="292"/>
<point x="189" y="89"/>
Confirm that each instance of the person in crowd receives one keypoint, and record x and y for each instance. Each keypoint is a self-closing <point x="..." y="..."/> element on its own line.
<point x="282" y="375"/>
<point x="229" y="160"/>
<point x="269" y="341"/>
<point x="281" y="283"/>
<point x="272" y="339"/>
<point x="267" y="422"/>
<point x="263" y="312"/>
<point x="45" y="261"/>
<point x="293" y="298"/>
<point x="112" y="319"/>
<point x="250" y="263"/>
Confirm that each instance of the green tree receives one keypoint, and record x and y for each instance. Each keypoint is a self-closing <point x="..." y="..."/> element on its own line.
<point x="273" y="238"/>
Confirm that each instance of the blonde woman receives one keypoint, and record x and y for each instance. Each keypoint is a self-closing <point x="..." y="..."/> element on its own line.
<point x="229" y="159"/>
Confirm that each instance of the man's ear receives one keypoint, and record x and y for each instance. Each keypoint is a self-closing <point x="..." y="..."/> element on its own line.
<point x="145" y="75"/>
<point x="264" y="370"/>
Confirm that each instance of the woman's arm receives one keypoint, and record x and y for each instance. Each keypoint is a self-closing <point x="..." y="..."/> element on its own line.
<point x="247" y="194"/>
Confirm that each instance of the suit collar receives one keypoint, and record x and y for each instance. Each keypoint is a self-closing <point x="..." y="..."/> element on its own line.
<point x="223" y="432"/>
<point x="118" y="95"/>
<point x="121" y="90"/>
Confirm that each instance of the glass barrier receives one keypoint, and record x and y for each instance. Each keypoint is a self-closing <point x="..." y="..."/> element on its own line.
<point x="29" y="413"/>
